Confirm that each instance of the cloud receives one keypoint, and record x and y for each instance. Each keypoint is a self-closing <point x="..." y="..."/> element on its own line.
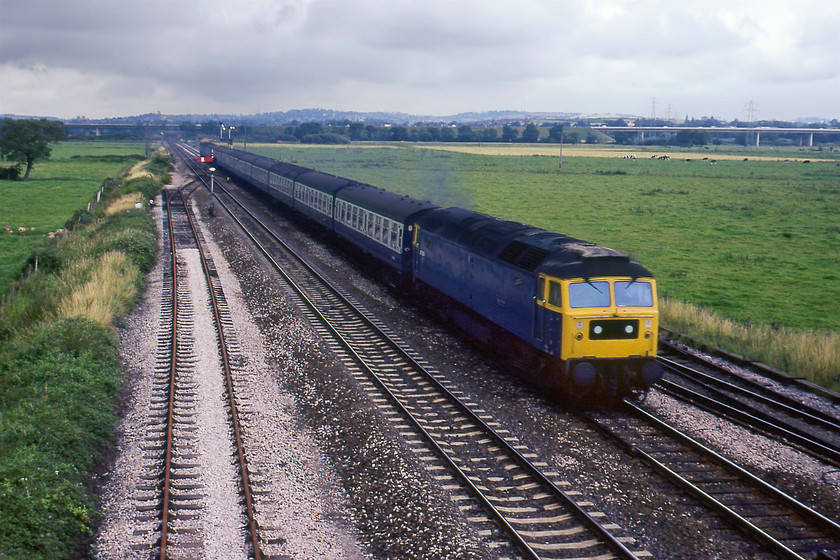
<point x="101" y="58"/>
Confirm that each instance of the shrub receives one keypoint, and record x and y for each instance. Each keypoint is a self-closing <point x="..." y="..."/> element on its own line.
<point x="138" y="246"/>
<point x="50" y="258"/>
<point x="80" y="218"/>
<point x="147" y="186"/>
<point x="11" y="173"/>
<point x="58" y="388"/>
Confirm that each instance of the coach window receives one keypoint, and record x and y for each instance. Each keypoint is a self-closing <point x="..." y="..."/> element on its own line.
<point x="395" y="235"/>
<point x="386" y="231"/>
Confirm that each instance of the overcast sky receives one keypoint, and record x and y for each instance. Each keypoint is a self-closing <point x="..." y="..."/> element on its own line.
<point x="102" y="58"/>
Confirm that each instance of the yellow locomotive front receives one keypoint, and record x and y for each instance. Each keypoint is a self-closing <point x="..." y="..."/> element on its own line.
<point x="608" y="332"/>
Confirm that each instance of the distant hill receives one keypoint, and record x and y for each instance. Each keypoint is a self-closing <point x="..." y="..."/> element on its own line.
<point x="320" y="115"/>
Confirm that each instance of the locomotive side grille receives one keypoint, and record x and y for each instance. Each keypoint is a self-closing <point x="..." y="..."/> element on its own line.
<point x="532" y="258"/>
<point x="512" y="251"/>
<point x="523" y="256"/>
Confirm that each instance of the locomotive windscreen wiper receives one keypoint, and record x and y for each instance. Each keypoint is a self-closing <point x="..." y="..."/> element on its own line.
<point x="588" y="281"/>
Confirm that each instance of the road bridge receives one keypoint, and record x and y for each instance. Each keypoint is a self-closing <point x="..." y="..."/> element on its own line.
<point x="807" y="133"/>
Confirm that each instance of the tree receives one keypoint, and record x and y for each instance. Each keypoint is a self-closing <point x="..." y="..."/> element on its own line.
<point x="28" y="140"/>
<point x="555" y="133"/>
<point x="465" y="134"/>
<point x="691" y="138"/>
<point x="356" y="131"/>
<point x="447" y="134"/>
<point x="509" y="134"/>
<point x="531" y="133"/>
<point x="488" y="135"/>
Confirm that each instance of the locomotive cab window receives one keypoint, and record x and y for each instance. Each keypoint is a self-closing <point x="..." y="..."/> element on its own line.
<point x="555" y="294"/>
<point x="550" y="291"/>
<point x="633" y="294"/>
<point x="589" y="294"/>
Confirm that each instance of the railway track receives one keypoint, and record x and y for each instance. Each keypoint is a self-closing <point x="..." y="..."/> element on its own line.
<point x="668" y="344"/>
<point x="525" y="511"/>
<point x="785" y="529"/>
<point x="752" y="404"/>
<point x="782" y="524"/>
<point x="177" y="517"/>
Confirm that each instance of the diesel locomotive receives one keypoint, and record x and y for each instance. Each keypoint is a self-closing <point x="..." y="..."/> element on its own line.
<point x="577" y="318"/>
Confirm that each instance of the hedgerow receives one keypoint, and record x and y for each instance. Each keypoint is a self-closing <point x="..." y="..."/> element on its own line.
<point x="60" y="377"/>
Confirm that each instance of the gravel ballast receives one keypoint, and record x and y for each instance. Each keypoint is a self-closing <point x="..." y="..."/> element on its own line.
<point x="335" y="480"/>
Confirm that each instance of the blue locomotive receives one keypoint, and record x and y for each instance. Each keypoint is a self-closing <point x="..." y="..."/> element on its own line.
<point x="574" y="316"/>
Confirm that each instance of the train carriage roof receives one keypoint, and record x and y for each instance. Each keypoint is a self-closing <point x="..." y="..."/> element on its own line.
<point x="323" y="182"/>
<point x="528" y="247"/>
<point x="283" y="169"/>
<point x="397" y="207"/>
<point x="254" y="159"/>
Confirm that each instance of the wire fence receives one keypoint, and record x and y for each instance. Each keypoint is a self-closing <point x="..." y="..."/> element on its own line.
<point x="57" y="236"/>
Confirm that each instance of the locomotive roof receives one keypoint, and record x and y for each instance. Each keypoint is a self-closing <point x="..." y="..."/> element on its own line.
<point x="386" y="203"/>
<point x="528" y="247"/>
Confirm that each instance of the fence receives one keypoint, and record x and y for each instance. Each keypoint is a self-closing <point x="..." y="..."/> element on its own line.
<point x="8" y="297"/>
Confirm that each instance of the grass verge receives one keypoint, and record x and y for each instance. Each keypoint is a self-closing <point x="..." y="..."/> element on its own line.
<point x="811" y="354"/>
<point x="59" y="371"/>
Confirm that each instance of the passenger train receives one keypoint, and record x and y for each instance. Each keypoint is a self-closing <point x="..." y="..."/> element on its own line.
<point x="577" y="318"/>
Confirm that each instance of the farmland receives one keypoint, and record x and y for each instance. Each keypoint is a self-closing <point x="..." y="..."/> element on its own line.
<point x="57" y="188"/>
<point x="755" y="240"/>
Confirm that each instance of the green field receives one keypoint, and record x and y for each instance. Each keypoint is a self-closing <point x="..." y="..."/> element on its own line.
<point x="56" y="189"/>
<point x="755" y="240"/>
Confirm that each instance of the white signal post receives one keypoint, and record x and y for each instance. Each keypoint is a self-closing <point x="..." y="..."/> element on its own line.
<point x="212" y="170"/>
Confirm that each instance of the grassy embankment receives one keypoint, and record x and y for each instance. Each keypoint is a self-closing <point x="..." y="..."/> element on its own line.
<point x="745" y="251"/>
<point x="59" y="372"/>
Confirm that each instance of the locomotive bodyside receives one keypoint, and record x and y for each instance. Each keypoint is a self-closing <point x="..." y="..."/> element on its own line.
<point x="579" y="316"/>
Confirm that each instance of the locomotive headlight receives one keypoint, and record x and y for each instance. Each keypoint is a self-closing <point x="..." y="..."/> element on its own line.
<point x="628" y="329"/>
<point x="598" y="329"/>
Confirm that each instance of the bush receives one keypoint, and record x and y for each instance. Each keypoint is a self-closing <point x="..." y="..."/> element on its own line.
<point x="160" y="165"/>
<point x="80" y="218"/>
<point x="58" y="388"/>
<point x="146" y="186"/>
<point x="60" y="377"/>
<point x="139" y="246"/>
<point x="11" y="173"/>
<point x="50" y="259"/>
